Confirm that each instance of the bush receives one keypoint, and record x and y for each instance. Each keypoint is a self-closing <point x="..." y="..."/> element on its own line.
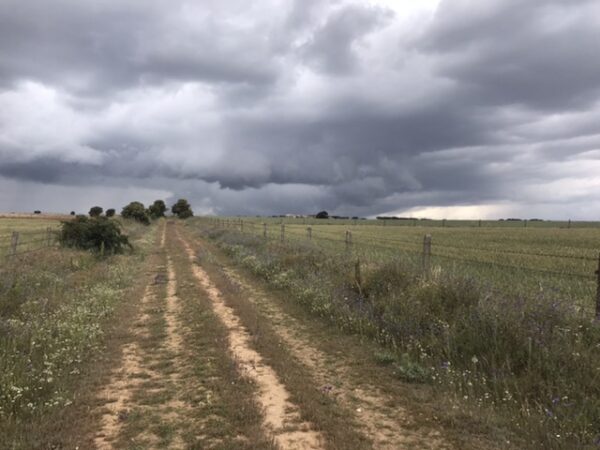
<point x="94" y="234"/>
<point x="95" y="211"/>
<point x="72" y="213"/>
<point x="110" y="212"/>
<point x="322" y="215"/>
<point x="157" y="209"/>
<point x="182" y="209"/>
<point x="137" y="212"/>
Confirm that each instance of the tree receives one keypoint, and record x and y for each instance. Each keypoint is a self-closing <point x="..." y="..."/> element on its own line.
<point x="72" y="213"/>
<point x="182" y="209"/>
<point x="95" y="211"/>
<point x="157" y="209"/>
<point x="137" y="212"/>
<point x="110" y="212"/>
<point x="322" y="215"/>
<point x="97" y="234"/>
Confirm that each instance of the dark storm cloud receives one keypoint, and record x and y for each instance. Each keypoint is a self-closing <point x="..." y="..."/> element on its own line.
<point x="273" y="107"/>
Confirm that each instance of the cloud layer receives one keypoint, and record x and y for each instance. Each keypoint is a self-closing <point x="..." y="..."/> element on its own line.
<point x="267" y="107"/>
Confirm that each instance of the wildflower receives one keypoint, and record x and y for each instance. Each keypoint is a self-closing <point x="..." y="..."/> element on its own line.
<point x="474" y="359"/>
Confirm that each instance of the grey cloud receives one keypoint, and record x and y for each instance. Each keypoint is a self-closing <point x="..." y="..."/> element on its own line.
<point x="303" y="106"/>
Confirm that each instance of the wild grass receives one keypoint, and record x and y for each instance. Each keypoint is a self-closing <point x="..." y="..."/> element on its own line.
<point x="54" y="306"/>
<point x="532" y="356"/>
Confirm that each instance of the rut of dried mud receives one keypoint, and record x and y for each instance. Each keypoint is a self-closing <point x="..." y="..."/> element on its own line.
<point x="281" y="417"/>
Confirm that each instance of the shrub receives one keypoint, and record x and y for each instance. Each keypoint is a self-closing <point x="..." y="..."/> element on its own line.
<point x="95" y="234"/>
<point x="137" y="212"/>
<point x="110" y="212"/>
<point x="37" y="211"/>
<point x="322" y="215"/>
<point x="182" y="209"/>
<point x="95" y="211"/>
<point x="157" y="209"/>
<point x="72" y="213"/>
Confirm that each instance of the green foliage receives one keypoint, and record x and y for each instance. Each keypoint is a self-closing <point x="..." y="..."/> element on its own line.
<point x="97" y="233"/>
<point x="322" y="215"/>
<point x="182" y="209"/>
<point x="110" y="212"/>
<point x="157" y="209"/>
<point x="95" y="211"/>
<point x="137" y="212"/>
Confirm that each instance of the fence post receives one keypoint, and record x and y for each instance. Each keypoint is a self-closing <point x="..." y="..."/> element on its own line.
<point x="569" y="224"/>
<point x="357" y="275"/>
<point x="13" y="243"/>
<point x="426" y="254"/>
<point x="348" y="240"/>
<point x="241" y="226"/>
<point x="48" y="236"/>
<point x="282" y="232"/>
<point x="479" y="223"/>
<point x="265" y="230"/>
<point x="598" y="291"/>
<point x="309" y="233"/>
<point x="443" y="223"/>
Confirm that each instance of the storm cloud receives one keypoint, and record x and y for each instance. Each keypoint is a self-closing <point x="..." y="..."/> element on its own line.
<point x="435" y="108"/>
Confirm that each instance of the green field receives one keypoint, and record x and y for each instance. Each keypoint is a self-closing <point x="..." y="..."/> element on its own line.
<point x="554" y="257"/>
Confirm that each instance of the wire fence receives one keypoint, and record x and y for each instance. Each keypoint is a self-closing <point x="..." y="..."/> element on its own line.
<point x="525" y="272"/>
<point x="23" y="242"/>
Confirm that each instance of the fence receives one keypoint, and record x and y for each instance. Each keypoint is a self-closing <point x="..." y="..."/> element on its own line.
<point x="536" y="272"/>
<point x="22" y="242"/>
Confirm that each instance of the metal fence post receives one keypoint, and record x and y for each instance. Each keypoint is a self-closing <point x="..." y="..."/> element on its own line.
<point x="13" y="243"/>
<point x="426" y="254"/>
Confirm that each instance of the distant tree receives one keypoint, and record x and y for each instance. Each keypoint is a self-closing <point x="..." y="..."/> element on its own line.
<point x="95" y="211"/>
<point x="182" y="209"/>
<point x="157" y="209"/>
<point x="137" y="212"/>
<point x="110" y="212"/>
<point x="322" y="215"/>
<point x="37" y="211"/>
<point x="72" y="213"/>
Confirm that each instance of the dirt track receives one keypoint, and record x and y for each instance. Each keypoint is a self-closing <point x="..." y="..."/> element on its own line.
<point x="169" y="392"/>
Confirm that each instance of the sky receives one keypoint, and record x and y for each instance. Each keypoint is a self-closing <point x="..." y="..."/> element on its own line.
<point x="443" y="109"/>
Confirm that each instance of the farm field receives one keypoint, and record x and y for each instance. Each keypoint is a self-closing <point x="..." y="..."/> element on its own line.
<point x="33" y="232"/>
<point x="512" y="258"/>
<point x="207" y="337"/>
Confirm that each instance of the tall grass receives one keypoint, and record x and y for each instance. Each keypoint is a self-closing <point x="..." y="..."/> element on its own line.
<point x="532" y="357"/>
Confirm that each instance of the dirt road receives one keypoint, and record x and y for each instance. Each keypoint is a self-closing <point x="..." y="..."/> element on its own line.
<point x="214" y="360"/>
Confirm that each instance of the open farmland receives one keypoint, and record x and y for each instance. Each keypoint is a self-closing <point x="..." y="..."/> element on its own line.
<point x="558" y="257"/>
<point x="34" y="233"/>
<point x="207" y="335"/>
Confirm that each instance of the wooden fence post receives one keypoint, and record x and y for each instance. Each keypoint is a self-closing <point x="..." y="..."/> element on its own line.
<point x="309" y="233"/>
<point x="265" y="230"/>
<point x="357" y="275"/>
<point x="348" y="240"/>
<point x="479" y="223"/>
<point x="282" y="232"/>
<point x="598" y="291"/>
<point x="13" y="243"/>
<point x="48" y="236"/>
<point x="241" y="226"/>
<point x="444" y="223"/>
<point x="569" y="224"/>
<point x="426" y="254"/>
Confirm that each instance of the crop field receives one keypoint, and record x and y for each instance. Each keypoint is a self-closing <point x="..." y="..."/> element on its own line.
<point x="33" y="233"/>
<point x="555" y="256"/>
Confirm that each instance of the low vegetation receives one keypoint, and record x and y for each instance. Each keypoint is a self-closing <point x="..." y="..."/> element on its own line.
<point x="532" y="358"/>
<point x="55" y="306"/>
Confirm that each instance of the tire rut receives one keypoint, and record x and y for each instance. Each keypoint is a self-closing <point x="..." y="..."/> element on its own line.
<point x="281" y="417"/>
